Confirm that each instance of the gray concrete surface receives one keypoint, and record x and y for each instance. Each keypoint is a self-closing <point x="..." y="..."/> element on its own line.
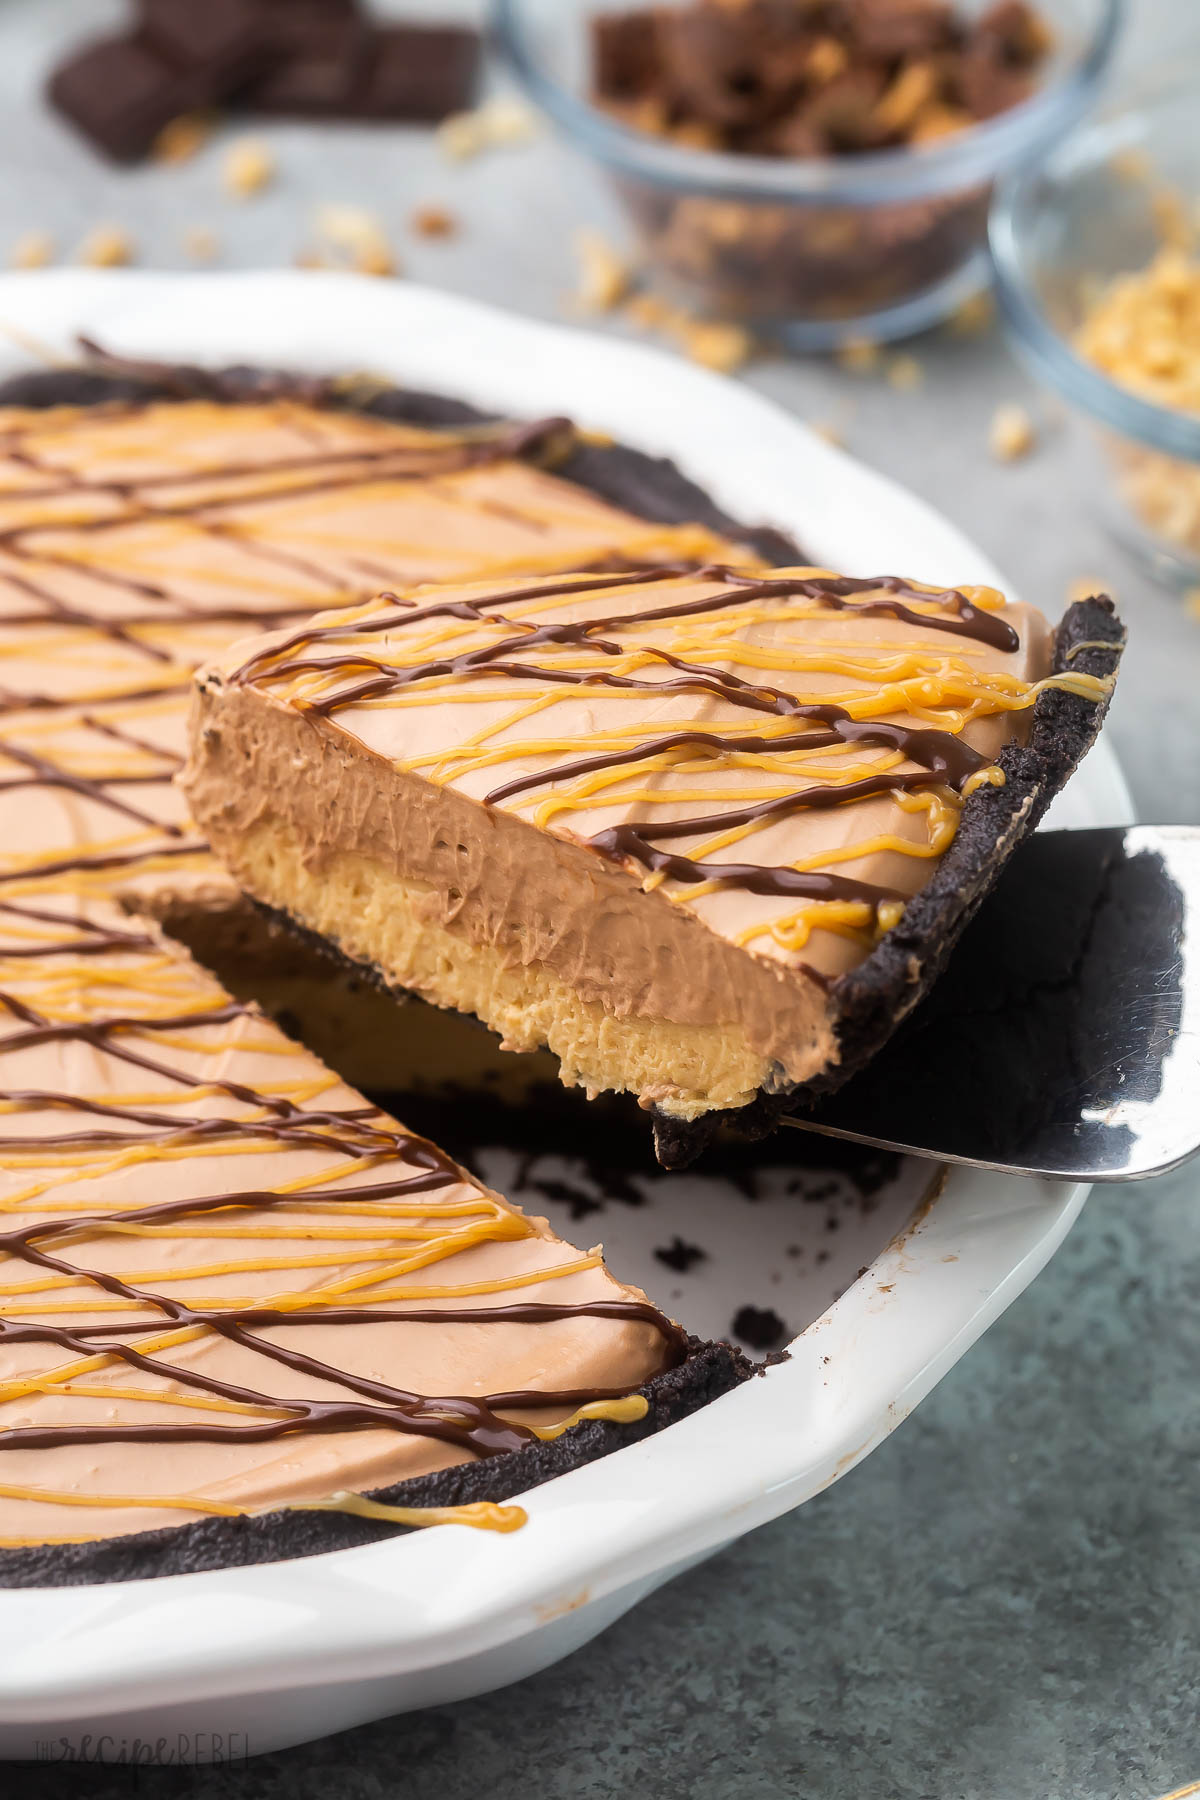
<point x="1004" y="1602"/>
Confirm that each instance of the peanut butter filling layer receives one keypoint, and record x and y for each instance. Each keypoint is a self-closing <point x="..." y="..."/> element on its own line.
<point x="645" y="819"/>
<point x="226" y="1283"/>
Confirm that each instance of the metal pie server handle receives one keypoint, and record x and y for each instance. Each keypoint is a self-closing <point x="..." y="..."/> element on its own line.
<point x="1063" y="1039"/>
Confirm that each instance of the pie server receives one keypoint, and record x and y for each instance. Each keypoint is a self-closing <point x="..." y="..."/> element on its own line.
<point x="1063" y="1039"/>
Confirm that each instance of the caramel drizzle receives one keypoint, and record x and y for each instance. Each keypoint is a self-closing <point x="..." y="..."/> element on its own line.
<point x="596" y="653"/>
<point x="414" y="1209"/>
<point x="469" y="1424"/>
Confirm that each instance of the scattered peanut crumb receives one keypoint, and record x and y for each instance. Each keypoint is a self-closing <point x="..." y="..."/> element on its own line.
<point x="1173" y="219"/>
<point x="905" y="373"/>
<point x="460" y="136"/>
<point x="434" y="222"/>
<point x="858" y="355"/>
<point x="200" y="243"/>
<point x="650" y="311"/>
<point x="715" y="345"/>
<point x="974" y="315"/>
<point x="375" y="259"/>
<point x="182" y="138"/>
<point x="509" y="122"/>
<point x="1012" y="433"/>
<point x="495" y="124"/>
<point x="604" y="276"/>
<point x="106" y="247"/>
<point x="1131" y="165"/>
<point x="830" y="432"/>
<point x="249" y="167"/>
<point x="32" y="250"/>
<point x="357" y="239"/>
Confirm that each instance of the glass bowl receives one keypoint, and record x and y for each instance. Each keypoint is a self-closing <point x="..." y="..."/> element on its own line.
<point x="1092" y="212"/>
<point x="812" y="251"/>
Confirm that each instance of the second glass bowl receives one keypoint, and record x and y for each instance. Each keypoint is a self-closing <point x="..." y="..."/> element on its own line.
<point x="1060" y="234"/>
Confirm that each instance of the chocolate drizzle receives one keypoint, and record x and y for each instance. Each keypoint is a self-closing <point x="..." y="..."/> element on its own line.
<point x="942" y="758"/>
<point x="469" y="1424"/>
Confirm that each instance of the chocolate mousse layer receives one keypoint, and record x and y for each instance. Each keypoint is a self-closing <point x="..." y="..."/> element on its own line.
<point x="668" y="823"/>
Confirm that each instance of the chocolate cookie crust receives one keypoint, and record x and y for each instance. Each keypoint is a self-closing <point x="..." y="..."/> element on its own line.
<point x="709" y="1371"/>
<point x="873" y="998"/>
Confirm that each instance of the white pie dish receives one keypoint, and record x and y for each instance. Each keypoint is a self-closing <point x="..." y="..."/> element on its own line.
<point x="249" y="1660"/>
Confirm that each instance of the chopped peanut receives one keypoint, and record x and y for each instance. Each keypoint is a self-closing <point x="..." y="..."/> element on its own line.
<point x="974" y="315"/>
<point x="357" y="238"/>
<point x="1012" y="433"/>
<point x="859" y="355"/>
<point x="717" y="346"/>
<point x="914" y="87"/>
<point x="650" y="311"/>
<point x="434" y="222"/>
<point x="826" y="60"/>
<point x="829" y="432"/>
<point x="249" y="168"/>
<point x="1143" y="330"/>
<point x="180" y="140"/>
<point x="905" y="373"/>
<point x="200" y="243"/>
<point x="604" y="276"/>
<point x="508" y="122"/>
<point x="107" y="247"/>
<point x="32" y="250"/>
<point x="493" y="125"/>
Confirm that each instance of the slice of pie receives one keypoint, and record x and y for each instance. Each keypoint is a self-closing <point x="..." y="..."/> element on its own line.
<point x="706" y="834"/>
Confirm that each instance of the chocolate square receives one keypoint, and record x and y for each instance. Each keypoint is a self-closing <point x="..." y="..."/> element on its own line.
<point x="320" y="65"/>
<point x="120" y="92"/>
<point x="420" y="73"/>
<point x="223" y="37"/>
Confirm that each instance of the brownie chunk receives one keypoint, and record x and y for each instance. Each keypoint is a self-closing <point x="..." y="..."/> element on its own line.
<point x="120" y="92"/>
<point x="221" y="38"/>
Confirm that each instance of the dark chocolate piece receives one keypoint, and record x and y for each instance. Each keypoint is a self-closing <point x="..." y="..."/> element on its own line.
<point x="221" y="37"/>
<point x="120" y="92"/>
<point x="760" y="1327"/>
<point x="681" y="1256"/>
<point x="335" y="66"/>
<point x="419" y="74"/>
<point x="626" y="51"/>
<point x="321" y="65"/>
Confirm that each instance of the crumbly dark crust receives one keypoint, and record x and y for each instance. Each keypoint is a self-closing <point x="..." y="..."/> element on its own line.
<point x="216" y="1543"/>
<point x="649" y="488"/>
<point x="872" y="999"/>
